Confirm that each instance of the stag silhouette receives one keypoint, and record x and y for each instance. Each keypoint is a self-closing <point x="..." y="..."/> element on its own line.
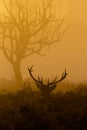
<point x="48" y="87"/>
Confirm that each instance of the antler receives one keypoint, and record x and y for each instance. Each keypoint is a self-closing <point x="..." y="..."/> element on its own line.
<point x="55" y="81"/>
<point x="39" y="81"/>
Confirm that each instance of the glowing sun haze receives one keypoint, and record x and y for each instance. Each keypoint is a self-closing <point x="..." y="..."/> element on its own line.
<point x="69" y="53"/>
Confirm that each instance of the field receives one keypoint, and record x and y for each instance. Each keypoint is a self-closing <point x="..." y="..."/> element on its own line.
<point x="25" y="110"/>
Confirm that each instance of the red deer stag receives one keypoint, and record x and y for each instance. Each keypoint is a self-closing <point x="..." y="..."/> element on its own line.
<point x="46" y="88"/>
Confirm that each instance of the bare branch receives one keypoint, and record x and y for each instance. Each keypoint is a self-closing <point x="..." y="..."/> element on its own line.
<point x="9" y="12"/>
<point x="29" y="32"/>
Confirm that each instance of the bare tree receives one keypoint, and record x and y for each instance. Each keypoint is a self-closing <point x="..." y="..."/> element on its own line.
<point x="46" y="88"/>
<point x="24" y="31"/>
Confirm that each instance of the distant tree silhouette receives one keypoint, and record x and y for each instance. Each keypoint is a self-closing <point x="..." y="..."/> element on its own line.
<point x="25" y="31"/>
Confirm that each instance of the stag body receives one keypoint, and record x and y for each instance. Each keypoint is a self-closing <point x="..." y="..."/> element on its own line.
<point x="46" y="88"/>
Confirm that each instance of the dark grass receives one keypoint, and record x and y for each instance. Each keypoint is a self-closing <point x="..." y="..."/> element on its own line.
<point x="25" y="110"/>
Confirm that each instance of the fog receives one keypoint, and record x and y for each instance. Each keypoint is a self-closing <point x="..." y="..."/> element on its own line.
<point x="69" y="53"/>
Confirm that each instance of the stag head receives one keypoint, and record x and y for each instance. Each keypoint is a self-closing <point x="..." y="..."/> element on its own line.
<point x="48" y="86"/>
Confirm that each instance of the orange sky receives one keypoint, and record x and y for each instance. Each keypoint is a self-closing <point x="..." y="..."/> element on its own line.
<point x="69" y="53"/>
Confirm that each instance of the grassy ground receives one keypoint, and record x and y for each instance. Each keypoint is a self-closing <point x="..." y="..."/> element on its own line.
<point x="25" y="109"/>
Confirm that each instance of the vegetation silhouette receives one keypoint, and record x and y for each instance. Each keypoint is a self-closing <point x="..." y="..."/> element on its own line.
<point x="25" y="110"/>
<point x="24" y="32"/>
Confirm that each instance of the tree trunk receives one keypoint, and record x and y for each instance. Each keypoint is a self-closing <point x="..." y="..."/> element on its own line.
<point x="17" y="73"/>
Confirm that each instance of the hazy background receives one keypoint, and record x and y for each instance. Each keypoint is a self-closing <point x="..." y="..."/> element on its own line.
<point x="69" y="53"/>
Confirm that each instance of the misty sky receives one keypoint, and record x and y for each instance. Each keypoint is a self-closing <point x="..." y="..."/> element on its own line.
<point x="69" y="53"/>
